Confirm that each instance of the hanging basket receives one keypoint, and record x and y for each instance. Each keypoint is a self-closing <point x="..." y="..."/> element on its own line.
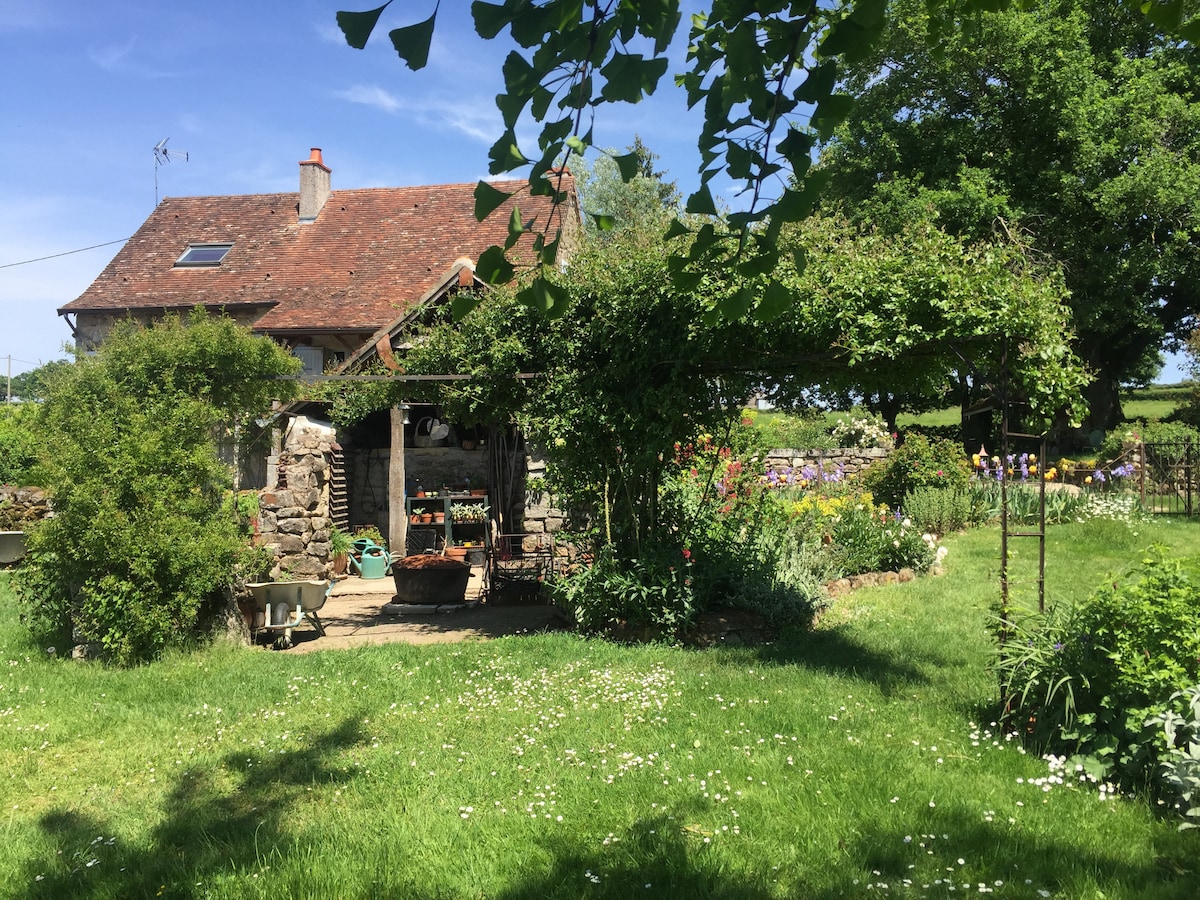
<point x="430" y="433"/>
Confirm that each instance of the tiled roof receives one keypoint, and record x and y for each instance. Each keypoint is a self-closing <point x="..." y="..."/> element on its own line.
<point x="369" y="253"/>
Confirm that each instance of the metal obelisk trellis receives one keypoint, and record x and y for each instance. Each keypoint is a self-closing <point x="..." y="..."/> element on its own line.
<point x="1007" y="532"/>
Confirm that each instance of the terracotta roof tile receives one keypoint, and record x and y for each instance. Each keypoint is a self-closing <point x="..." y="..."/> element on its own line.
<point x="369" y="253"/>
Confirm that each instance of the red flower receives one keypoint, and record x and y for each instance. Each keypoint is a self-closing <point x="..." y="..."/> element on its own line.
<point x="687" y="554"/>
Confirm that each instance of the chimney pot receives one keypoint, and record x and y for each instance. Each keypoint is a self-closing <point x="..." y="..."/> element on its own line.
<point x="314" y="185"/>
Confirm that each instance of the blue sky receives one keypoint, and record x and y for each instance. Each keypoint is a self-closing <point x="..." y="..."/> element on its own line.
<point x="245" y="89"/>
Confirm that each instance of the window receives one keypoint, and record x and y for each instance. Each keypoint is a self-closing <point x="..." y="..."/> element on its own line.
<point x="203" y="255"/>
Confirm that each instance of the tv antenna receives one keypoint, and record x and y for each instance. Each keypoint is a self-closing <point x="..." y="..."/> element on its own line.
<point x="162" y="156"/>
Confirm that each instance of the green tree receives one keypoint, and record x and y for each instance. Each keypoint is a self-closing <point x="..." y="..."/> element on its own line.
<point x="1073" y="124"/>
<point x="34" y="384"/>
<point x="609" y="201"/>
<point x="897" y="314"/>
<point x="18" y="444"/>
<point x="143" y="538"/>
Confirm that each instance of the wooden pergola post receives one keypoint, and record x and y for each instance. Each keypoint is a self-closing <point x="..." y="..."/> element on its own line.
<point x="397" y="514"/>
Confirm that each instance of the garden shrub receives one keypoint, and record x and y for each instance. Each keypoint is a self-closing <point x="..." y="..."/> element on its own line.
<point x="1085" y="681"/>
<point x="861" y="429"/>
<point x="918" y="462"/>
<point x="1179" y="770"/>
<point x="865" y="539"/>
<point x="143" y="538"/>
<point x="938" y="510"/>
<point x="615" y="595"/>
<point x="797" y="431"/>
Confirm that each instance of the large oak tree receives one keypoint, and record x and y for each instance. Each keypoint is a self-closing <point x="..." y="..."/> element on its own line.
<point x="1074" y="123"/>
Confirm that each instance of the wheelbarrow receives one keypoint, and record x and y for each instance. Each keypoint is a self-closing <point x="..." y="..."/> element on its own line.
<point x="372" y="562"/>
<point x="284" y="605"/>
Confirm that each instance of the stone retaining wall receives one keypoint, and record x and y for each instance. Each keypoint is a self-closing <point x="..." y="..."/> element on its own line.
<point x="850" y="460"/>
<point x="21" y="507"/>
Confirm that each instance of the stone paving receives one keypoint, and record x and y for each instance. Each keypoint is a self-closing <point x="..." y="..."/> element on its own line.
<point x="360" y="612"/>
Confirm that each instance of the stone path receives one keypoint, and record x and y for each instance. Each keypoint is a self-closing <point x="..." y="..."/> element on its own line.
<point x="360" y="612"/>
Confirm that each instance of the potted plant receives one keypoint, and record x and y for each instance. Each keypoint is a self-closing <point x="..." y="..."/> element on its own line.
<point x="340" y="545"/>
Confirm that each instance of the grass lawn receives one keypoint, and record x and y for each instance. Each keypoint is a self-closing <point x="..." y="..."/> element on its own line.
<point x="856" y="760"/>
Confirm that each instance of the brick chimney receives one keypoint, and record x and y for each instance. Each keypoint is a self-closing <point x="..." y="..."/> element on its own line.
<point x="314" y="185"/>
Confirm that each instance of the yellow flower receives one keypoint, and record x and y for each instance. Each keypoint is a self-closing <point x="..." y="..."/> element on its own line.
<point x="1088" y="480"/>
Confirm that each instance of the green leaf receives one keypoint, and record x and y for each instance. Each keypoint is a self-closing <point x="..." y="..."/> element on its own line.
<point x="506" y="155"/>
<point x="795" y="205"/>
<point x="487" y="200"/>
<point x="357" y="26"/>
<point x="738" y="303"/>
<point x="546" y="297"/>
<point x="1166" y="14"/>
<point x="761" y="263"/>
<point x="576" y="145"/>
<point x="677" y="229"/>
<point x="463" y="303"/>
<point x="412" y="42"/>
<point x="869" y="13"/>
<point x="627" y="165"/>
<point x="516" y="228"/>
<point x="818" y="84"/>
<point x="489" y="18"/>
<point x="629" y="76"/>
<point x="830" y="113"/>
<point x="548" y="252"/>
<point x="603" y="222"/>
<point x="493" y="266"/>
<point x="701" y="203"/>
<point x="774" y="302"/>
<point x="557" y="298"/>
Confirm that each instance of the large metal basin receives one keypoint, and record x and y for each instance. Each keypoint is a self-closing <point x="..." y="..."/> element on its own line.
<point x="426" y="578"/>
<point x="12" y="547"/>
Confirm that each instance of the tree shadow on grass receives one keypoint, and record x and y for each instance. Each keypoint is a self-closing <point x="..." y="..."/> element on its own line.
<point x="832" y="651"/>
<point x="659" y="856"/>
<point x="224" y="820"/>
<point x="959" y="847"/>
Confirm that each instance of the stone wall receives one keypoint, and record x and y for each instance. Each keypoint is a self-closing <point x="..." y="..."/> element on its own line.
<point x="542" y="518"/>
<point x="20" y="507"/>
<point x="293" y="517"/>
<point x="849" y="460"/>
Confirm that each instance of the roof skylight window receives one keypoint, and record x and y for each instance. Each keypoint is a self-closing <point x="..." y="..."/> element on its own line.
<point x="203" y="255"/>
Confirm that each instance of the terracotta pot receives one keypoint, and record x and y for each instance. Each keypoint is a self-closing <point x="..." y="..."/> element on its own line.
<point x="478" y="492"/>
<point x="456" y="552"/>
<point x="439" y="517"/>
<point x="426" y="518"/>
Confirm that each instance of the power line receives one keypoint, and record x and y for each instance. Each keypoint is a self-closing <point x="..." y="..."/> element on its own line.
<point x="26" y="262"/>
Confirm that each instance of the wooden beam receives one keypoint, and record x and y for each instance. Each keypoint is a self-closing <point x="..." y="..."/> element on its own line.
<point x="397" y="515"/>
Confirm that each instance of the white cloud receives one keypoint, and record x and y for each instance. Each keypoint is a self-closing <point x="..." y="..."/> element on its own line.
<point x="370" y="95"/>
<point x="112" y="57"/>
<point x="476" y="120"/>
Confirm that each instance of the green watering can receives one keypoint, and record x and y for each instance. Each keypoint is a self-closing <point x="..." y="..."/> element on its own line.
<point x="372" y="562"/>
